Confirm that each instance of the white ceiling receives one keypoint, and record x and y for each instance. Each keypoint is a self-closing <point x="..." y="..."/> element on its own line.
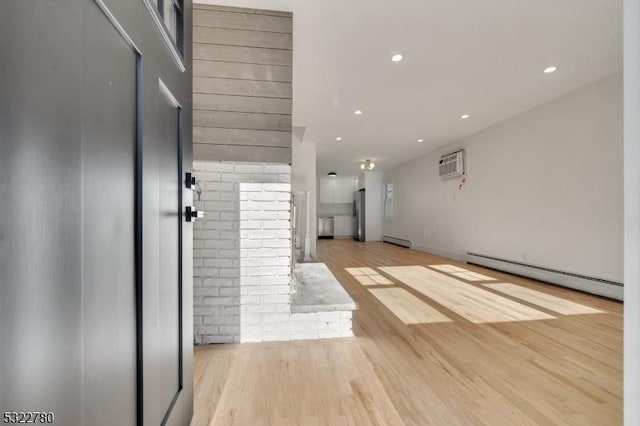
<point x="479" y="57"/>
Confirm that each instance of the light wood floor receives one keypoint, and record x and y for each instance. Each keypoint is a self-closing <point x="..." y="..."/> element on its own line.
<point x="564" y="370"/>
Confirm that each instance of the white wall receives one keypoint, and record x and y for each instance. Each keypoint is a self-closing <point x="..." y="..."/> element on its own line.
<point x="632" y="211"/>
<point x="544" y="187"/>
<point x="373" y="206"/>
<point x="303" y="178"/>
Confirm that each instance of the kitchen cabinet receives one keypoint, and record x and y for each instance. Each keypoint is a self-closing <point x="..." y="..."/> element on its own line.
<point x="337" y="191"/>
<point x="327" y="190"/>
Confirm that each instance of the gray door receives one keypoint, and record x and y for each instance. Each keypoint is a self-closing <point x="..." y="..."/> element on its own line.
<point x="67" y="232"/>
<point x="95" y="285"/>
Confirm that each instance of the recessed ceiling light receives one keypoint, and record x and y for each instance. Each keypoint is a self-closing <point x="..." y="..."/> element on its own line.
<point x="397" y="57"/>
<point x="338" y="138"/>
<point x="550" y="69"/>
<point x="357" y="112"/>
<point x="464" y="116"/>
<point x="332" y="174"/>
<point x="420" y="140"/>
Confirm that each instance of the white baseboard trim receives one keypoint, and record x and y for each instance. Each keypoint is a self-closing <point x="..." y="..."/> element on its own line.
<point x="593" y="285"/>
<point x="397" y="241"/>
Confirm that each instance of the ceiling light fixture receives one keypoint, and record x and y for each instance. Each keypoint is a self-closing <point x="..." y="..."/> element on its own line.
<point x="550" y="69"/>
<point x="420" y="140"/>
<point x="332" y="174"/>
<point x="367" y="165"/>
<point x="338" y="138"/>
<point x="357" y="112"/>
<point x="464" y="116"/>
<point x="397" y="57"/>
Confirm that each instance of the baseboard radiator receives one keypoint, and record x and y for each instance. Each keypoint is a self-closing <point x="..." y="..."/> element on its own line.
<point x="593" y="285"/>
<point x="397" y="241"/>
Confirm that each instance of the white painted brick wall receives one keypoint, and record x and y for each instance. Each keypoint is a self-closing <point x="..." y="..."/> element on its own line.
<point x="216" y="254"/>
<point x="242" y="258"/>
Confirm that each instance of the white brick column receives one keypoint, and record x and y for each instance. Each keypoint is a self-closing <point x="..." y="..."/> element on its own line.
<point x="265" y="261"/>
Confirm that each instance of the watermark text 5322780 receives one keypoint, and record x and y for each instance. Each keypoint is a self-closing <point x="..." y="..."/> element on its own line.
<point x="25" y="417"/>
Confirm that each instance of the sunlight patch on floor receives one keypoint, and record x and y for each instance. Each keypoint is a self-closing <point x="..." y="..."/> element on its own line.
<point x="368" y="276"/>
<point x="463" y="273"/>
<point x="360" y="271"/>
<point x="547" y="301"/>
<point x="473" y="303"/>
<point x="448" y="268"/>
<point x="408" y="308"/>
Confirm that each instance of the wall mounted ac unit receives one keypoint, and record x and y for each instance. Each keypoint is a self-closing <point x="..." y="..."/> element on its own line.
<point x="452" y="165"/>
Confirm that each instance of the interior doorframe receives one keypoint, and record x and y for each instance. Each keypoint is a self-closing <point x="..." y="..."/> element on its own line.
<point x="180" y="158"/>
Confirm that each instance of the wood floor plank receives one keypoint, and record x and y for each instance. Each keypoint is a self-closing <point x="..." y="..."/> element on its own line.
<point x="547" y="301"/>
<point x="379" y="279"/>
<point x="445" y="267"/>
<point x="473" y="303"/>
<point x="472" y="276"/>
<point x="365" y="280"/>
<point x="360" y="271"/>
<point x="408" y="308"/>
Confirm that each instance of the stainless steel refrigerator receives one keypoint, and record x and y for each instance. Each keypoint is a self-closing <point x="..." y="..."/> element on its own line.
<point x="358" y="212"/>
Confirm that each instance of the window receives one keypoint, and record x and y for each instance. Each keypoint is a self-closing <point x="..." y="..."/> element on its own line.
<point x="388" y="201"/>
<point x="172" y="14"/>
